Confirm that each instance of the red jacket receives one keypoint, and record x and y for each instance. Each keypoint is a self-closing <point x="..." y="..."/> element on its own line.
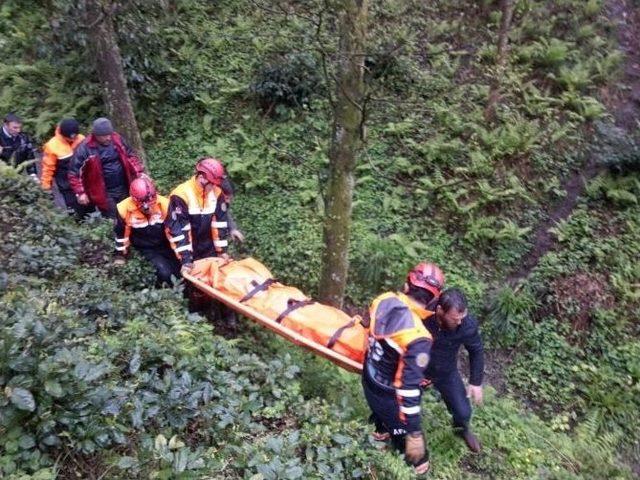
<point x="85" y="174"/>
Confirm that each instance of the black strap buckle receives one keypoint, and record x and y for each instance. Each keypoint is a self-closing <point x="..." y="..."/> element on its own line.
<point x="293" y="305"/>
<point x="258" y="287"/>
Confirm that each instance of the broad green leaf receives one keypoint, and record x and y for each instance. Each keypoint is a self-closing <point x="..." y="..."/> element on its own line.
<point x="23" y="399"/>
<point x="180" y="460"/>
<point x="53" y="388"/>
<point x="294" y="472"/>
<point x="127" y="462"/>
<point x="26" y="442"/>
<point x="134" y="363"/>
<point x="175" y="443"/>
<point x="161" y="442"/>
<point x="341" y="439"/>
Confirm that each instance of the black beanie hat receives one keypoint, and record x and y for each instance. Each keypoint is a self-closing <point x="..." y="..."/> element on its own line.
<point x="69" y="127"/>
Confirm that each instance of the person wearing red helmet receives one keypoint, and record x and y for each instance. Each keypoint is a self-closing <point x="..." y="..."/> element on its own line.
<point x="140" y="223"/>
<point x="397" y="354"/>
<point x="199" y="222"/>
<point x="199" y="225"/>
<point x="451" y="327"/>
<point x="425" y="282"/>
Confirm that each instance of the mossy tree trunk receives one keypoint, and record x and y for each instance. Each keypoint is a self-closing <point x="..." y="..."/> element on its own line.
<point x="346" y="140"/>
<point x="506" y="8"/>
<point x="108" y="61"/>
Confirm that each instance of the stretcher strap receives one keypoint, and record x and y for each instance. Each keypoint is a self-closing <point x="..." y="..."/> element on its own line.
<point x="334" y="338"/>
<point x="293" y="305"/>
<point x="258" y="287"/>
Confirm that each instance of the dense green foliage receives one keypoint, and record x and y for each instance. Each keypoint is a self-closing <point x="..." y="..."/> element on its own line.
<point x="250" y="85"/>
<point x="113" y="378"/>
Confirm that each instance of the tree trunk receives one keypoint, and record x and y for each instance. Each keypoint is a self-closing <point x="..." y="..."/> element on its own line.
<point x="506" y="6"/>
<point x="108" y="61"/>
<point x="345" y="143"/>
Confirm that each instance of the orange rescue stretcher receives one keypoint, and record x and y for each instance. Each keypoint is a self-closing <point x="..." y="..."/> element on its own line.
<point x="248" y="287"/>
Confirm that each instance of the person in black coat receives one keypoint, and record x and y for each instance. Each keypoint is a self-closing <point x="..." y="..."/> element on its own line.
<point x="17" y="144"/>
<point x="451" y="327"/>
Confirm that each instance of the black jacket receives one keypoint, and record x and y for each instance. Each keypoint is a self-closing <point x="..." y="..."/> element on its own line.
<point x="21" y="146"/>
<point x="446" y="345"/>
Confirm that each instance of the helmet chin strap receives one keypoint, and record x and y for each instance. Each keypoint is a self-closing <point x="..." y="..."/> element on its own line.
<point x="145" y="207"/>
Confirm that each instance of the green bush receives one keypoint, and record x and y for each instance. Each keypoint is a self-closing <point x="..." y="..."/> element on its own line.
<point x="291" y="81"/>
<point x="434" y="181"/>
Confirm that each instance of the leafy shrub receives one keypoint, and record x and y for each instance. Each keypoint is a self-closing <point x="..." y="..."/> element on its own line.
<point x="509" y="310"/>
<point x="288" y="82"/>
<point x="546" y="53"/>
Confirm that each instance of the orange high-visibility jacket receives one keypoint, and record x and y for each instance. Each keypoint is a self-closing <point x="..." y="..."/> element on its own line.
<point x="135" y="228"/>
<point x="57" y="153"/>
<point x="198" y="221"/>
<point x="398" y="352"/>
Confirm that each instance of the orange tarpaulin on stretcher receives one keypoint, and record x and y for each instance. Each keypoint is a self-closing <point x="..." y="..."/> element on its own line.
<point x="248" y="287"/>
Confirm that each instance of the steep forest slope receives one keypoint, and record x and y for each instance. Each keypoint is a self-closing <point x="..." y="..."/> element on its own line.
<point x="98" y="374"/>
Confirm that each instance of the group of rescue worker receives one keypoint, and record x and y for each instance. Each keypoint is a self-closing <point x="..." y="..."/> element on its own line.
<point x="414" y="335"/>
<point x="102" y="172"/>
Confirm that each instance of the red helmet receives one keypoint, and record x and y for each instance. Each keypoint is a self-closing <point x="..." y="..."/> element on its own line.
<point x="428" y="276"/>
<point x="212" y="169"/>
<point x="143" y="192"/>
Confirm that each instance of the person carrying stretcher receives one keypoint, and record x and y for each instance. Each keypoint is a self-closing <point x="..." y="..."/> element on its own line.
<point x="397" y="354"/>
<point x="199" y="220"/>
<point x="199" y="223"/>
<point x="140" y="222"/>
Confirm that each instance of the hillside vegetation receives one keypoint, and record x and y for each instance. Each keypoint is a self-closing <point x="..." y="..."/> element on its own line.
<point x="102" y="377"/>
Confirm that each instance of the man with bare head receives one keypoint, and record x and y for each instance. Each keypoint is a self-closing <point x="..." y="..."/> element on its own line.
<point x="16" y="145"/>
<point x="451" y="327"/>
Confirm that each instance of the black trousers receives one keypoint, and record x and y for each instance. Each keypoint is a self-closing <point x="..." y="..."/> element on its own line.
<point x="113" y="198"/>
<point x="83" y="210"/>
<point x="451" y="388"/>
<point x="385" y="414"/>
<point x="165" y="263"/>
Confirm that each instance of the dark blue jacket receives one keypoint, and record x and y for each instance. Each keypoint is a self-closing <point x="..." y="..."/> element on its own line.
<point x="446" y="345"/>
<point x="21" y="146"/>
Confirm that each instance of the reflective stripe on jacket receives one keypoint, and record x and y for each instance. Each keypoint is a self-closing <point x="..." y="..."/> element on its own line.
<point x="135" y="228"/>
<point x="198" y="222"/>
